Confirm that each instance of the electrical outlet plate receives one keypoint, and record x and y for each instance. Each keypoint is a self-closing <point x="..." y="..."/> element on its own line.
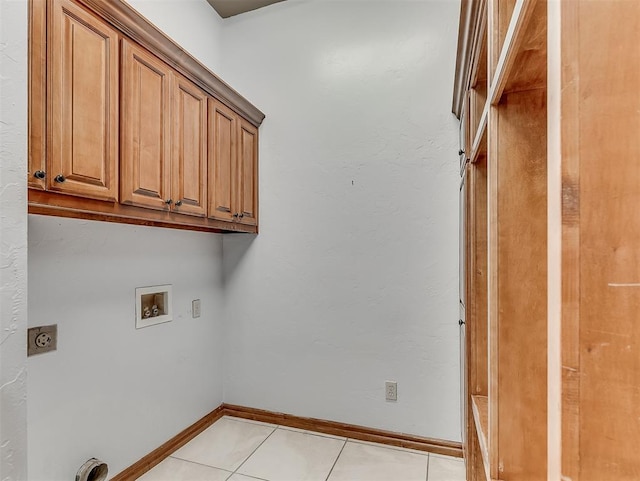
<point x="42" y="339"/>
<point x="195" y="308"/>
<point x="391" y="390"/>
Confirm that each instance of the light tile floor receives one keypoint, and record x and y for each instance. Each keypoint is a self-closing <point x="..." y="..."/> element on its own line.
<point x="236" y="449"/>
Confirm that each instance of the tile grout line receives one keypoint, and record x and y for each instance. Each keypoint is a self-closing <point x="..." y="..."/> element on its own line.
<point x="428" y="461"/>
<point x="339" y="438"/>
<point x="254" y="451"/>
<point x="276" y="427"/>
<point x="333" y="436"/>
<point x="246" y="476"/>
<point x="196" y="462"/>
<point x="336" y="461"/>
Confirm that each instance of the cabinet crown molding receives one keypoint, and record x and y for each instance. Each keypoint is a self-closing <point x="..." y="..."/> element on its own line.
<point x="126" y="19"/>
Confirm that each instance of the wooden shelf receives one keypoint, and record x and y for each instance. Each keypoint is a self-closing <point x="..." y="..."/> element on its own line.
<point x="562" y="102"/>
<point x="506" y="121"/>
<point x="480" y="136"/>
<point x="478" y="86"/>
<point x="472" y="12"/>
<point x="481" y="419"/>
<point x="500" y="14"/>
<point x="523" y="56"/>
<point x="479" y="61"/>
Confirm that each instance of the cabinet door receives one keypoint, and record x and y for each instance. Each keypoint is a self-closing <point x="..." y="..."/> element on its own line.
<point x="189" y="162"/>
<point x="145" y="129"/>
<point x="37" y="94"/>
<point x="222" y="156"/>
<point x="247" y="173"/>
<point x="83" y="90"/>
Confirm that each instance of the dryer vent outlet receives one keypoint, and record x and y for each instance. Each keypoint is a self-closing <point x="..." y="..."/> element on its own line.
<point x="92" y="470"/>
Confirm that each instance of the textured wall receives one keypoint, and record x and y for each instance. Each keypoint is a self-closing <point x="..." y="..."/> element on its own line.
<point x="353" y="278"/>
<point x="13" y="240"/>
<point x="193" y="24"/>
<point x="110" y="390"/>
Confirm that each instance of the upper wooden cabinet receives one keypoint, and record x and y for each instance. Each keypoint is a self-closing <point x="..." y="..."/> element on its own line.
<point x="164" y="132"/>
<point x="233" y="176"/>
<point x="145" y="129"/>
<point x="83" y="99"/>
<point x="247" y="173"/>
<point x="189" y="160"/>
<point x="37" y="169"/>
<point x="223" y="142"/>
<point x="119" y="113"/>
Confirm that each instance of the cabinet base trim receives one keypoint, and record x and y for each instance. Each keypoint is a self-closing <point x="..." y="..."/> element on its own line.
<point x="60" y="205"/>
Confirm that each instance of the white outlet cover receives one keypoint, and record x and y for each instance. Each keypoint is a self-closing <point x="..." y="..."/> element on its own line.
<point x="391" y="390"/>
<point x="195" y="308"/>
<point x="165" y="315"/>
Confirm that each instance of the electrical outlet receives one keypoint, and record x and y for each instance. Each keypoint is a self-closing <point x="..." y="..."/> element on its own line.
<point x="195" y="308"/>
<point x="391" y="390"/>
<point x="42" y="339"/>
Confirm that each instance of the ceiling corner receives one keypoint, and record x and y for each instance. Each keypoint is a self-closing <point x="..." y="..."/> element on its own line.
<point x="229" y="8"/>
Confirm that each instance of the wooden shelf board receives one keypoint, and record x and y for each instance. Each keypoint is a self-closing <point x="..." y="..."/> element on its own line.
<point x="472" y="12"/>
<point x="480" y="134"/>
<point x="481" y="419"/>
<point x="479" y="60"/>
<point x="523" y="52"/>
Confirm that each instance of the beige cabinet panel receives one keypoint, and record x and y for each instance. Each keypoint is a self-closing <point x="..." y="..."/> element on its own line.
<point x="222" y="155"/>
<point x="247" y="173"/>
<point x="189" y="160"/>
<point x="83" y="90"/>
<point x="145" y="128"/>
<point x="233" y="177"/>
<point x="36" y="169"/>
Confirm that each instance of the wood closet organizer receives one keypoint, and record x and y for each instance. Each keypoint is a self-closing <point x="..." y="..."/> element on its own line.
<point x="547" y="94"/>
<point x="125" y="126"/>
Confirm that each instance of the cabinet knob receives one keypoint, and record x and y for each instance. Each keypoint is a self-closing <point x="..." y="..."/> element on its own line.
<point x="39" y="174"/>
<point x="178" y="203"/>
<point x="461" y="322"/>
<point x="460" y="152"/>
<point x="60" y="178"/>
<point x="241" y="215"/>
<point x="236" y="215"/>
<point x="168" y="201"/>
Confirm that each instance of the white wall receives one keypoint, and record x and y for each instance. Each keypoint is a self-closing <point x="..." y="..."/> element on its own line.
<point x="353" y="278"/>
<point x="110" y="390"/>
<point x="13" y="240"/>
<point x="193" y="24"/>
